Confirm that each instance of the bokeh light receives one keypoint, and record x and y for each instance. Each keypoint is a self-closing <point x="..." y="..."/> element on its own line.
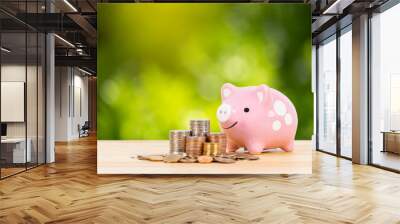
<point x="160" y="65"/>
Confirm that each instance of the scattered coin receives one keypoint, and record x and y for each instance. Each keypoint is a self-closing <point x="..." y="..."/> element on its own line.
<point x="229" y="156"/>
<point x="224" y="160"/>
<point x="155" y="157"/>
<point x="241" y="156"/>
<point x="172" y="158"/>
<point x="205" y="159"/>
<point x="188" y="160"/>
<point x="140" y="157"/>
<point x="253" y="157"/>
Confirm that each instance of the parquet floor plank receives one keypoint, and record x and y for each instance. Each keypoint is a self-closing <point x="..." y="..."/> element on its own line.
<point x="70" y="191"/>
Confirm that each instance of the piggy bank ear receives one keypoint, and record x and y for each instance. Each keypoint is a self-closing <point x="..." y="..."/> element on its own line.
<point x="262" y="92"/>
<point x="227" y="90"/>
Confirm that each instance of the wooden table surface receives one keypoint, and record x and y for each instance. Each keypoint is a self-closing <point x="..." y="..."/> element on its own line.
<point x="120" y="157"/>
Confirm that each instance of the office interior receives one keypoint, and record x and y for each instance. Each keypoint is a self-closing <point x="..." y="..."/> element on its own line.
<point x="46" y="86"/>
<point x="48" y="90"/>
<point x="377" y="84"/>
<point x="60" y="57"/>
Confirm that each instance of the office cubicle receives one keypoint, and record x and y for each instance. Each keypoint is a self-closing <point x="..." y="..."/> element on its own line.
<point x="22" y="92"/>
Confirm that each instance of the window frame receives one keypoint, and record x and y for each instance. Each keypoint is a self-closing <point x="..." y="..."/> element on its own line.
<point x="346" y="27"/>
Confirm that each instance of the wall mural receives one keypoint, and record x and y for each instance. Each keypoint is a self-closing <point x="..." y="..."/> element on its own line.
<point x="161" y="65"/>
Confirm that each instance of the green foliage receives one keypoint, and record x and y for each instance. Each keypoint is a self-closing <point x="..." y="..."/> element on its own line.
<point x="160" y="65"/>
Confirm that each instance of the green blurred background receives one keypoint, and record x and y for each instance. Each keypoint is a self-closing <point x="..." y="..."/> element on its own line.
<point x="162" y="64"/>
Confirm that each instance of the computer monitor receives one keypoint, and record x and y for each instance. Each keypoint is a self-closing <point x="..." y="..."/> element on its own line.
<point x="3" y="129"/>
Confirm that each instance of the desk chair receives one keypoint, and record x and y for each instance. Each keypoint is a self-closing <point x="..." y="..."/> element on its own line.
<point x="84" y="130"/>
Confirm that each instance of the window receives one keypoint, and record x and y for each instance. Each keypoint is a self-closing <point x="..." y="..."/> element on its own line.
<point x="385" y="89"/>
<point x="327" y="95"/>
<point x="346" y="92"/>
<point x="334" y="106"/>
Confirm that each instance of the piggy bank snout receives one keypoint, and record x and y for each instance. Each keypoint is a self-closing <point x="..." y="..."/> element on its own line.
<point x="224" y="112"/>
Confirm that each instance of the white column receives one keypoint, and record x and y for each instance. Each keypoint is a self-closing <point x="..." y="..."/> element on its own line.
<point x="360" y="90"/>
<point x="50" y="99"/>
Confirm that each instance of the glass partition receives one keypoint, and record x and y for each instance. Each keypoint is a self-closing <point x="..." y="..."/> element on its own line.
<point x="22" y="107"/>
<point x="32" y="95"/>
<point x="327" y="95"/>
<point x="14" y="153"/>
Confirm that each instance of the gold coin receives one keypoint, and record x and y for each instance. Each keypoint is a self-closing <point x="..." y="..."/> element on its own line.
<point x="242" y="156"/>
<point x="224" y="160"/>
<point x="229" y="156"/>
<point x="253" y="157"/>
<point x="140" y="157"/>
<point x="172" y="158"/>
<point x="188" y="160"/>
<point x="155" y="157"/>
<point x="205" y="159"/>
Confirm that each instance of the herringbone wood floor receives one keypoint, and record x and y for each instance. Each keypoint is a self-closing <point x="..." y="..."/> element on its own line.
<point x="70" y="191"/>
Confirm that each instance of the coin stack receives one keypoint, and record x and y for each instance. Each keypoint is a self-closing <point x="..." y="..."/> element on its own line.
<point x="218" y="137"/>
<point x="211" y="149"/>
<point x="200" y="127"/>
<point x="177" y="141"/>
<point x="194" y="145"/>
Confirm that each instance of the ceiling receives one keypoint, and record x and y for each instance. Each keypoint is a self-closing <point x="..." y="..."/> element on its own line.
<point x="75" y="22"/>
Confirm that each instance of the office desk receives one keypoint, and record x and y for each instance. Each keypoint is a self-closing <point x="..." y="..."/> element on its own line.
<point x="391" y="141"/>
<point x="13" y="150"/>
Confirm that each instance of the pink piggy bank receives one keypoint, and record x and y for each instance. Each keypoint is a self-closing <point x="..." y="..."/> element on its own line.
<point x="257" y="118"/>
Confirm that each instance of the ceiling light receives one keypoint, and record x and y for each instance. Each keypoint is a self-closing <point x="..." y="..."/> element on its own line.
<point x="84" y="71"/>
<point x="79" y="51"/>
<point x="5" y="50"/>
<point x="65" y="41"/>
<point x="70" y="5"/>
<point x="338" y="6"/>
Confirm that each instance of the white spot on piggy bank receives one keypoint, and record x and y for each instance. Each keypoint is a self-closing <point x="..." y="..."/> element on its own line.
<point x="276" y="125"/>
<point x="280" y="108"/>
<point x="288" y="119"/>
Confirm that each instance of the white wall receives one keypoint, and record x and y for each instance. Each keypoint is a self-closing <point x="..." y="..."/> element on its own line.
<point x="80" y="110"/>
<point x="13" y="100"/>
<point x="71" y="102"/>
<point x="62" y="81"/>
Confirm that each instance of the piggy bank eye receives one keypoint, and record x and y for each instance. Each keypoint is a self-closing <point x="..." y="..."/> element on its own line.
<point x="246" y="109"/>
